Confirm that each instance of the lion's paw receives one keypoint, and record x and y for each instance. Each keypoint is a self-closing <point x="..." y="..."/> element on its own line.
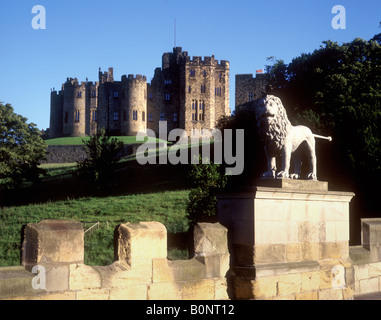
<point x="283" y="175"/>
<point x="312" y="176"/>
<point x="294" y="176"/>
<point x="268" y="174"/>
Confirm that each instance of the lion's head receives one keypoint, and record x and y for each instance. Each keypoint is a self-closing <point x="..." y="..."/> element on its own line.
<point x="273" y="123"/>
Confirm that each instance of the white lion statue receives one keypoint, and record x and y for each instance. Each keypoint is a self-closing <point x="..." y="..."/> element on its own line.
<point x="280" y="138"/>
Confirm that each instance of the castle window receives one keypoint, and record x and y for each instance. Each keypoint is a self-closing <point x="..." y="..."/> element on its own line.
<point x="116" y="94"/>
<point x="116" y="116"/>
<point x="143" y="116"/>
<point x="167" y="81"/>
<point x="202" y="105"/>
<point x="162" y="116"/>
<point x="167" y="97"/>
<point x="76" y="116"/>
<point x="217" y="91"/>
<point x="135" y="115"/>
<point x="203" y="88"/>
<point x="150" y="117"/>
<point x="194" y="104"/>
<point x="150" y="95"/>
<point x="250" y="96"/>
<point x="175" y="118"/>
<point x="204" y="73"/>
<point x="192" y="73"/>
<point x="220" y="76"/>
<point x="93" y="94"/>
<point x="79" y="94"/>
<point x="93" y="116"/>
<point x="189" y="89"/>
<point x="194" y="116"/>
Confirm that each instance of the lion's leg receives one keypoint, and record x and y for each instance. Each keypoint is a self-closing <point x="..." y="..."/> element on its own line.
<point x="271" y="167"/>
<point x="297" y="160"/>
<point x="286" y="158"/>
<point x="312" y="158"/>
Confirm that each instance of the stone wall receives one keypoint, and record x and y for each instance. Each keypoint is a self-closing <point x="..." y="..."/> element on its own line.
<point x="53" y="265"/>
<point x="366" y="259"/>
<point x="74" y="153"/>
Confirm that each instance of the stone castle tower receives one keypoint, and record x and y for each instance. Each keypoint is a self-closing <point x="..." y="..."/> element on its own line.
<point x="186" y="93"/>
<point x="249" y="88"/>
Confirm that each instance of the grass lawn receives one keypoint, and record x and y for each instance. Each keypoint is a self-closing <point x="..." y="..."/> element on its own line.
<point x="167" y="207"/>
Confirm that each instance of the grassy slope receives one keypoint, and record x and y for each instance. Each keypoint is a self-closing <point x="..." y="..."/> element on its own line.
<point x="143" y="193"/>
<point x="167" y="207"/>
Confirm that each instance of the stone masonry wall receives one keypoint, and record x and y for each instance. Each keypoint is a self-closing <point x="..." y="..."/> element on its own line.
<point x="141" y="270"/>
<point x="366" y="259"/>
<point x="73" y="153"/>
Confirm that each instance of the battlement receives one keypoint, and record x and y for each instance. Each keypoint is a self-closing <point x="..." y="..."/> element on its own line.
<point x="250" y="76"/>
<point x="207" y="61"/>
<point x="141" y="270"/>
<point x="132" y="77"/>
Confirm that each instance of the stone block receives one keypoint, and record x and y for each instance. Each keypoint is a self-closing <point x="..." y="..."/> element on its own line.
<point x="310" y="281"/>
<point x="310" y="251"/>
<point x="371" y="232"/>
<point x="265" y="287"/>
<point x="244" y="289"/>
<point x="53" y="242"/>
<point x="361" y="271"/>
<point x="289" y="284"/>
<point x="165" y="291"/>
<point x="330" y="294"/>
<point x="198" y="290"/>
<point x="57" y="278"/>
<point x="180" y="270"/>
<point x="215" y="266"/>
<point x="134" y="292"/>
<point x="210" y="239"/>
<point x="334" y="250"/>
<point x="16" y="281"/>
<point x="270" y="253"/>
<point x="374" y="270"/>
<point x="84" y="277"/>
<point x="221" y="289"/>
<point x="313" y="295"/>
<point x="368" y="285"/>
<point x="293" y="252"/>
<point x="93" y="294"/>
<point x="137" y="244"/>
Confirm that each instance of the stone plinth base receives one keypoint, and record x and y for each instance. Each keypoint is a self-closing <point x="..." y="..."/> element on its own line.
<point x="289" y="240"/>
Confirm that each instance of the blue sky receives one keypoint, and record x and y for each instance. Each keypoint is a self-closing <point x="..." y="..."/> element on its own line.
<point x="131" y="36"/>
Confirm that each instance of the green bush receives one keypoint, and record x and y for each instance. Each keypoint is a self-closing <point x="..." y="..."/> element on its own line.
<point x="202" y="202"/>
<point x="103" y="152"/>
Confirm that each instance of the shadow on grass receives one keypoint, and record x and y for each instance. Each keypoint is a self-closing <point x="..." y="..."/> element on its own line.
<point x="130" y="178"/>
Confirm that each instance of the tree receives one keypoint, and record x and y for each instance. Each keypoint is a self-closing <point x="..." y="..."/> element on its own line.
<point x="202" y="202"/>
<point x="103" y="152"/>
<point x="21" y="149"/>
<point x="336" y="90"/>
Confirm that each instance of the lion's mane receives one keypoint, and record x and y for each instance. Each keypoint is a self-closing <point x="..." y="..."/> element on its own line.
<point x="273" y="135"/>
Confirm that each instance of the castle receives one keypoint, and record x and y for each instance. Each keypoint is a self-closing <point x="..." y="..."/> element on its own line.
<point x="191" y="94"/>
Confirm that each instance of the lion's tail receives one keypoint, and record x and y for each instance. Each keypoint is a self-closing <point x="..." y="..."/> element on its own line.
<point x="322" y="137"/>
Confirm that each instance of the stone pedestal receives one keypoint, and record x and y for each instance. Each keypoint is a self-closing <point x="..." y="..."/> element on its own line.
<point x="289" y="239"/>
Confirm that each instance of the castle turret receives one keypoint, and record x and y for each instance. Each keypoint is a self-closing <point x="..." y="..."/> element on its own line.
<point x="74" y="108"/>
<point x="56" y="114"/>
<point x="134" y="105"/>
